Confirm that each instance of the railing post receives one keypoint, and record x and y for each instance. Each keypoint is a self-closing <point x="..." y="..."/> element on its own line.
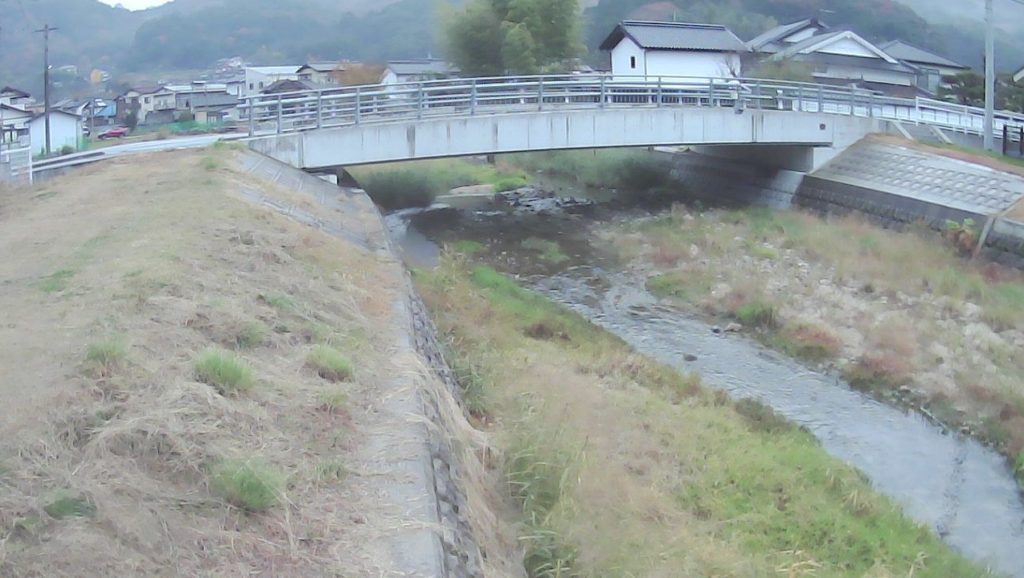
<point x="252" y="117"/>
<point x="472" y="98"/>
<point x="711" y="92"/>
<point x="821" y="99"/>
<point x="659" y="91"/>
<point x="540" y="93"/>
<point x="419" y="101"/>
<point x="800" y="98"/>
<point x="757" y="88"/>
<point x="359" y="105"/>
<point x="1021" y="141"/>
<point x="604" y="90"/>
<point x="853" y="101"/>
<point x="1006" y="139"/>
<point x="280" y="114"/>
<point x="319" y="109"/>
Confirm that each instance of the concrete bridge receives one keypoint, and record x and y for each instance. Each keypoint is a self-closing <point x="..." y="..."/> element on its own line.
<point x="788" y="125"/>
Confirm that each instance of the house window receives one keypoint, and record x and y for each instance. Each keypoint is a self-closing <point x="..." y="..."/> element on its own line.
<point x="149" y="99"/>
<point x="261" y="86"/>
<point x="251" y="86"/>
<point x="632" y="62"/>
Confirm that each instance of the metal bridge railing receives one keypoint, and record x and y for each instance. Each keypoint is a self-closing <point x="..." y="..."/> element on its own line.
<point x="346" y="106"/>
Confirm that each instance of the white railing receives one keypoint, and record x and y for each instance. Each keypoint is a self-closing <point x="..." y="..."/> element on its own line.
<point x="15" y="164"/>
<point x="346" y="106"/>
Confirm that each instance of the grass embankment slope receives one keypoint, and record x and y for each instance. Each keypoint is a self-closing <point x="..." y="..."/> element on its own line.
<point x="623" y="467"/>
<point x="900" y="314"/>
<point x="187" y="378"/>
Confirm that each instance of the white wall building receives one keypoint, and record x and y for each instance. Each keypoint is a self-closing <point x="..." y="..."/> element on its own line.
<point x="640" y="48"/>
<point x="931" y="67"/>
<point x="65" y="131"/>
<point x="416" y="70"/>
<point x="844" y="58"/>
<point x="259" y="77"/>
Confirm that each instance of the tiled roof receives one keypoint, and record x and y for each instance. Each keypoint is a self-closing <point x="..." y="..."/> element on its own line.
<point x="675" y="36"/>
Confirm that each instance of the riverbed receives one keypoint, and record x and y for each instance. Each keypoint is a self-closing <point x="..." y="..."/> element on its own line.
<point x="954" y="485"/>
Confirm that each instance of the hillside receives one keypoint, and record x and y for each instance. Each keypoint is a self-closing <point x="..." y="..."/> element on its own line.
<point x="192" y="34"/>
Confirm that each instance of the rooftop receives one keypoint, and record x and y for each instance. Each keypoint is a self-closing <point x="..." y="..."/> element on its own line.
<point x="675" y="36"/>
<point x="272" y="70"/>
<point x="901" y="50"/>
<point x="768" y="41"/>
<point x="419" y="66"/>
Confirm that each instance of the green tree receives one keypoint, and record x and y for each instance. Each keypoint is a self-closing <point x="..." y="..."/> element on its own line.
<point x="518" y="50"/>
<point x="490" y="37"/>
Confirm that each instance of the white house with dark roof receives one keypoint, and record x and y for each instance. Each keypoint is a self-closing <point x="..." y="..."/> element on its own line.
<point x="931" y="67"/>
<point x="641" y="48"/>
<point x="843" y="57"/>
<point x="416" y="70"/>
<point x="782" y="37"/>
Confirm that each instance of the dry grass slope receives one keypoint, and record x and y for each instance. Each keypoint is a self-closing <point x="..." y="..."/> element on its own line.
<point x="158" y="417"/>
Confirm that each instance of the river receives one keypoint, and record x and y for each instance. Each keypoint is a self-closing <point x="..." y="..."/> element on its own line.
<point x="961" y="489"/>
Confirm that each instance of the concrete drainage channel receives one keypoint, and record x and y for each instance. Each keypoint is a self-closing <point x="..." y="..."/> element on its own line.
<point x="427" y="446"/>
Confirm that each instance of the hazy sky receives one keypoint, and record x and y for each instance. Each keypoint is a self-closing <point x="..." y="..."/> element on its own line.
<point x="135" y="4"/>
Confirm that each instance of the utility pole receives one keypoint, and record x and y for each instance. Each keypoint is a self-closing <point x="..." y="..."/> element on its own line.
<point x="46" y="30"/>
<point x="990" y="76"/>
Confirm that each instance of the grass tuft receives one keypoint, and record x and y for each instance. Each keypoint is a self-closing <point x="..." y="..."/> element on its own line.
<point x="330" y="471"/>
<point x="877" y="372"/>
<point x="67" y="505"/>
<point x="251" y="485"/>
<point x="332" y="400"/>
<point x="210" y="163"/>
<point x="105" y="357"/>
<point x="756" y="314"/>
<point x="224" y="372"/>
<point x="254" y="334"/>
<point x="467" y="247"/>
<point x="806" y="341"/>
<point x="281" y="302"/>
<point x="329" y="363"/>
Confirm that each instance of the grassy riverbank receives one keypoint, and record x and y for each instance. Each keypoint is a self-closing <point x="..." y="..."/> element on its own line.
<point x="624" y="467"/>
<point x="901" y="315"/>
<point x="188" y="376"/>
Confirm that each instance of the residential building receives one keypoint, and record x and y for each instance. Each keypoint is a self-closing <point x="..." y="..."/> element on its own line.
<point x="1019" y="75"/>
<point x="676" y="49"/>
<point x="320" y="72"/>
<point x="844" y="58"/>
<point x="782" y="37"/>
<point x="289" y="85"/>
<point x="931" y="67"/>
<point x="416" y="70"/>
<point x="258" y="78"/>
<point x="14" y="97"/>
<point x="140" y="100"/>
<point x="65" y="131"/>
<point x="13" y="123"/>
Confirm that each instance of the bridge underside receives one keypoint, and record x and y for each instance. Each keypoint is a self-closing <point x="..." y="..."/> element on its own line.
<point x="781" y="139"/>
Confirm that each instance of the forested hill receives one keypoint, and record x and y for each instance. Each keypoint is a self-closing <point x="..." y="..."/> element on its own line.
<point x="192" y="34"/>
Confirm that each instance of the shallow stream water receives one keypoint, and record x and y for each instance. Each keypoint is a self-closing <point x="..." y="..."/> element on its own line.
<point x="961" y="489"/>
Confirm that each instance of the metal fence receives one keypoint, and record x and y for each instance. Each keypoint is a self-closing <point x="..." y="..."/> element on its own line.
<point x="345" y="106"/>
<point x="15" y="164"/>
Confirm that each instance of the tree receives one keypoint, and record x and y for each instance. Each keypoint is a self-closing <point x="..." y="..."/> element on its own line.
<point x="491" y="37"/>
<point x="131" y="120"/>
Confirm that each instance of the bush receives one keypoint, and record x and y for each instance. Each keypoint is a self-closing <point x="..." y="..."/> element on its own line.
<point x="808" y="342"/>
<point x="875" y="372"/>
<point x="329" y="363"/>
<point x="251" y="485"/>
<point x="67" y="149"/>
<point x="762" y="418"/>
<point x="224" y="372"/>
<point x="402" y="188"/>
<point x="509" y="183"/>
<point x="254" y="334"/>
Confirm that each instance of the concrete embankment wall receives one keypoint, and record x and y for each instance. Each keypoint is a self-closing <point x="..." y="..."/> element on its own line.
<point x="430" y="478"/>
<point x="891" y="185"/>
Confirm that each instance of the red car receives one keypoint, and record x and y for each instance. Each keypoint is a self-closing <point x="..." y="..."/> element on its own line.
<point x="116" y="132"/>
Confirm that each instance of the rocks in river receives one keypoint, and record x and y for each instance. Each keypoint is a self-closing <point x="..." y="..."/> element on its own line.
<point x="690" y="357"/>
<point x="537" y="201"/>
<point x="733" y="328"/>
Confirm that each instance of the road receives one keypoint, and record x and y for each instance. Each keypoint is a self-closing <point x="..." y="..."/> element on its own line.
<point x="77" y="159"/>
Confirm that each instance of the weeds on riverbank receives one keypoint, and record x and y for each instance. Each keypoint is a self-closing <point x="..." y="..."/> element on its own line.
<point x="671" y="479"/>
<point x="637" y="175"/>
<point x="417" y="184"/>
<point x="900" y="314"/>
